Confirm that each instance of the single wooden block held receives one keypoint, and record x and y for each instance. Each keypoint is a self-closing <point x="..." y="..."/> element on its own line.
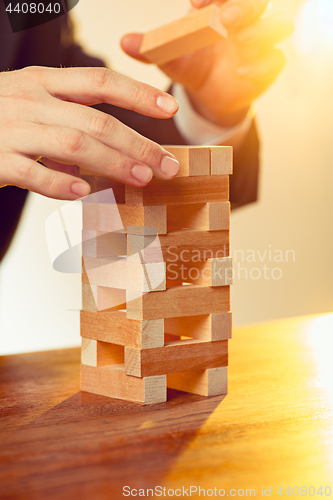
<point x="116" y="328"/>
<point x="176" y="356"/>
<point x="210" y="382"/>
<point x="193" y="160"/>
<point x="112" y="382"/>
<point x="193" y="32"/>
<point x="186" y="300"/>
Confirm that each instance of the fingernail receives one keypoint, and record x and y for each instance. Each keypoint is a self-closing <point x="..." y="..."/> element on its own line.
<point x="245" y="71"/>
<point x="80" y="188"/>
<point x="248" y="35"/>
<point x="167" y="104"/>
<point x="231" y="15"/>
<point x="169" y="166"/>
<point x="142" y="173"/>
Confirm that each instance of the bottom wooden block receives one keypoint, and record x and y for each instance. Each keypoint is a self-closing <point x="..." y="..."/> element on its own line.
<point x="112" y="382"/>
<point x="211" y="382"/>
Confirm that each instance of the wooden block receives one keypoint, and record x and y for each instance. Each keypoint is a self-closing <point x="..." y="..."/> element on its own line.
<point x="88" y="298"/>
<point x="180" y="191"/>
<point x="100" y="183"/>
<point x="176" y="356"/>
<point x="199" y="29"/>
<point x="144" y="220"/>
<point x="193" y="160"/>
<point x="185" y="246"/>
<point x="170" y="338"/>
<point x="105" y="217"/>
<point x="210" y="382"/>
<point x="112" y="382"/>
<point x="200" y="217"/>
<point x="213" y="272"/>
<point x="186" y="300"/>
<point x="221" y="160"/>
<point x="208" y="327"/>
<point x="98" y="298"/>
<point x="116" y="328"/>
<point x="103" y="245"/>
<point x="96" y="353"/>
<point x="128" y="273"/>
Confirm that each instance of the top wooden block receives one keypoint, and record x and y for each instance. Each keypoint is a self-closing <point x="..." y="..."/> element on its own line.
<point x="193" y="32"/>
<point x="202" y="160"/>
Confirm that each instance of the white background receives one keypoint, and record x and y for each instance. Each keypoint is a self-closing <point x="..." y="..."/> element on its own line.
<point x="295" y="210"/>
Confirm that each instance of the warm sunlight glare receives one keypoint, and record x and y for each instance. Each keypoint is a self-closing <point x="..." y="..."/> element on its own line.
<point x="320" y="339"/>
<point x="314" y="27"/>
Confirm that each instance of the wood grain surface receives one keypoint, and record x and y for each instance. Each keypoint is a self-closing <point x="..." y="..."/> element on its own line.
<point x="180" y="191"/>
<point x="273" y="429"/>
<point x="175" y="357"/>
<point x="115" y="328"/>
<point x="188" y="300"/>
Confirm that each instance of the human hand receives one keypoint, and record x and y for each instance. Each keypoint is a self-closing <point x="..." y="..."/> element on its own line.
<point x="44" y="113"/>
<point x="223" y="79"/>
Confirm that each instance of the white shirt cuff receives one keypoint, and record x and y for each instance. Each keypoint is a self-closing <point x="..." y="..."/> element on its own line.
<point x="198" y="131"/>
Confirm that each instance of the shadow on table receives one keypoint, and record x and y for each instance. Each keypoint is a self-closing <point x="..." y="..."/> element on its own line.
<point x="89" y="446"/>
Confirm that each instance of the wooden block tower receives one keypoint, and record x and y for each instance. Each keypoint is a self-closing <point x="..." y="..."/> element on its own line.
<point x="156" y="309"/>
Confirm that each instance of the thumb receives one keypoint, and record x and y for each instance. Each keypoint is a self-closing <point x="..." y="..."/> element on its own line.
<point x="130" y="44"/>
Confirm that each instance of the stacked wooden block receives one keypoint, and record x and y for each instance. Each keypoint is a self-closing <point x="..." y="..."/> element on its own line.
<point x="156" y="309"/>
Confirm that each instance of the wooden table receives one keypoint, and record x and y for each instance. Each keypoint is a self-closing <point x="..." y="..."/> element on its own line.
<point x="275" y="427"/>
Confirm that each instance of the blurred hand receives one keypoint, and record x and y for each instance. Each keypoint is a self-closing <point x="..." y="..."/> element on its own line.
<point x="44" y="114"/>
<point x="223" y="79"/>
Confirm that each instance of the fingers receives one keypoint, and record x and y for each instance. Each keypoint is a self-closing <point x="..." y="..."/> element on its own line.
<point x="97" y="85"/>
<point x="28" y="174"/>
<point x="73" y="170"/>
<point x="130" y="43"/>
<point x="266" y="32"/>
<point x="264" y="71"/>
<point x="68" y="145"/>
<point x="111" y="132"/>
<point x="235" y="13"/>
<point x="198" y="4"/>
